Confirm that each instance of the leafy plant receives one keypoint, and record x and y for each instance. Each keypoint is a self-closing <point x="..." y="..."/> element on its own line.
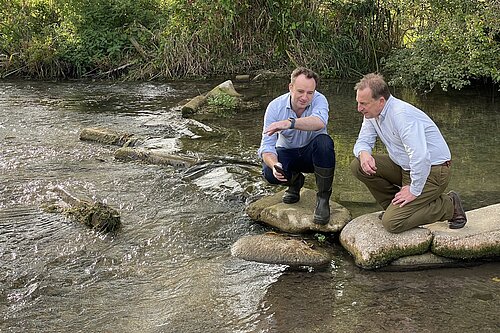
<point x="457" y="44"/>
<point x="223" y="105"/>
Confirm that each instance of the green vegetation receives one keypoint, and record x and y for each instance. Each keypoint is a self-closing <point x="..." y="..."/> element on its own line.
<point x="223" y="105"/>
<point x="420" y="43"/>
<point x="448" y="43"/>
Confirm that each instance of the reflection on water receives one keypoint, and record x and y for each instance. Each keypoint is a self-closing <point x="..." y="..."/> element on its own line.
<point x="169" y="268"/>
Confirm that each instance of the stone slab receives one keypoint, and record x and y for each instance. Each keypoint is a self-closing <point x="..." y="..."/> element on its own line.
<point x="373" y="247"/>
<point x="297" y="217"/>
<point x="426" y="260"/>
<point x="479" y="238"/>
<point x="275" y="248"/>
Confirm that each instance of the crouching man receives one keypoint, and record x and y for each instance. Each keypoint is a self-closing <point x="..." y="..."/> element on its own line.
<point x="295" y="141"/>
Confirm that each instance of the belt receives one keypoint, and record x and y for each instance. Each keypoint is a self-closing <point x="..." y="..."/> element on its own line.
<point x="446" y="164"/>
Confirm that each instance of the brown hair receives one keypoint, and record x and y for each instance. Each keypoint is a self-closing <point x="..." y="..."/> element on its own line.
<point x="304" y="71"/>
<point x="376" y="84"/>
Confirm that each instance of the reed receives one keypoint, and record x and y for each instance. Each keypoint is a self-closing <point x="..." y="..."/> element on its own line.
<point x="169" y="39"/>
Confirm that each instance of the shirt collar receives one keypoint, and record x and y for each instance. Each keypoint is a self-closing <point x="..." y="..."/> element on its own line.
<point x="289" y="101"/>
<point x="386" y="107"/>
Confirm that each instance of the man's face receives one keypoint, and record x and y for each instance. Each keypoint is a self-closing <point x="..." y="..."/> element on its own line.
<point x="367" y="105"/>
<point x="302" y="91"/>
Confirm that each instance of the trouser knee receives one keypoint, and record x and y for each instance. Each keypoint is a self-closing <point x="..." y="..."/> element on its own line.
<point x="393" y="226"/>
<point x="356" y="168"/>
<point x="323" y="151"/>
<point x="267" y="173"/>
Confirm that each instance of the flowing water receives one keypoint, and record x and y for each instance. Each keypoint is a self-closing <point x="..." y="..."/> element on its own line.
<point x="169" y="268"/>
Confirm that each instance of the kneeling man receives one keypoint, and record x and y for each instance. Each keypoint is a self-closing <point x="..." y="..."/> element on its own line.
<point x="409" y="182"/>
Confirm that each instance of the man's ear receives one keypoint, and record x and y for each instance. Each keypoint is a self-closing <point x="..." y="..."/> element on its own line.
<point x="290" y="86"/>
<point x="382" y="101"/>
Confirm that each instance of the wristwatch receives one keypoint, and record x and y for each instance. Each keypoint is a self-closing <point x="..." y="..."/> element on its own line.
<point x="292" y="122"/>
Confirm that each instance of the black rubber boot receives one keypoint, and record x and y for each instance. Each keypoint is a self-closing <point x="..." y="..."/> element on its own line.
<point x="292" y="194"/>
<point x="324" y="181"/>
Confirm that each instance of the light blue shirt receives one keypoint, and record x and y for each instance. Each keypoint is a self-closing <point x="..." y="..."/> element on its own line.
<point x="411" y="138"/>
<point x="280" y="109"/>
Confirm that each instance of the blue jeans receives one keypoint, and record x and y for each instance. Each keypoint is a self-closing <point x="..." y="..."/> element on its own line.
<point x="320" y="152"/>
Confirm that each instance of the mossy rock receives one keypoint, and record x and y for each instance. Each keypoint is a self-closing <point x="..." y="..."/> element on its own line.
<point x="93" y="214"/>
<point x="373" y="247"/>
<point x="199" y="102"/>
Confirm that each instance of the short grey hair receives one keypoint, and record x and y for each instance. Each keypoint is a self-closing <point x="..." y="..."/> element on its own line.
<point x="376" y="83"/>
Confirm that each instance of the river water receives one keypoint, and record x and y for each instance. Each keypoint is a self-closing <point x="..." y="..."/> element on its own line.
<point x="169" y="268"/>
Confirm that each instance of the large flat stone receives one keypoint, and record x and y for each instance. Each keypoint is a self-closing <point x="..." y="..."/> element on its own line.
<point x="479" y="238"/>
<point x="297" y="217"/>
<point x="274" y="248"/>
<point x="373" y="247"/>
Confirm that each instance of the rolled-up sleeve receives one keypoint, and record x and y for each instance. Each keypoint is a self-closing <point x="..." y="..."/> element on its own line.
<point x="280" y="109"/>
<point x="268" y="142"/>
<point x="320" y="107"/>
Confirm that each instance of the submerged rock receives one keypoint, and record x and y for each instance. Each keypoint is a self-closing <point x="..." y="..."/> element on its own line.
<point x="95" y="215"/>
<point x="297" y="217"/>
<point x="426" y="260"/>
<point x="479" y="238"/>
<point x="274" y="248"/>
<point x="372" y="246"/>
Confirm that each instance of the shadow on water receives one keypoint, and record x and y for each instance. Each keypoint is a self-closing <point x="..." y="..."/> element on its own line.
<point x="169" y="268"/>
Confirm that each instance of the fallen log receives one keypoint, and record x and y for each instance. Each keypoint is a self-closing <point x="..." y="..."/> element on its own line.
<point x="193" y="105"/>
<point x="153" y="157"/>
<point x="108" y="136"/>
<point x="225" y="88"/>
<point x="242" y="78"/>
<point x="93" y="214"/>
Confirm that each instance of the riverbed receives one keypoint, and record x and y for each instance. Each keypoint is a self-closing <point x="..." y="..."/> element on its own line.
<point x="169" y="267"/>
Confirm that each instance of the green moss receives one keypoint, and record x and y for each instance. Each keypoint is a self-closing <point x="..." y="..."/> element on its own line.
<point x="96" y="215"/>
<point x="385" y="256"/>
<point x="488" y="251"/>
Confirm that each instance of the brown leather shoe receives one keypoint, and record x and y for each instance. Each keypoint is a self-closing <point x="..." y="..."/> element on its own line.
<point x="459" y="219"/>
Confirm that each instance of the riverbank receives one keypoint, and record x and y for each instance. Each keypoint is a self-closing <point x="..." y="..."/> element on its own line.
<point x="156" y="40"/>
